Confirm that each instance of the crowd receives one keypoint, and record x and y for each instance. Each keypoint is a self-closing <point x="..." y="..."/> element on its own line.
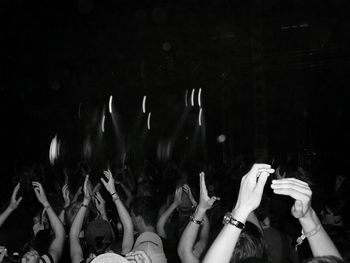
<point x="243" y="212"/>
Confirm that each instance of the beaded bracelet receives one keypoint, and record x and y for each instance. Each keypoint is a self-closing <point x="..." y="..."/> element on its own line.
<point x="308" y="234"/>
<point x="198" y="222"/>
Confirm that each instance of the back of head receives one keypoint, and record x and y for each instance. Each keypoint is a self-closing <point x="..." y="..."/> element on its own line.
<point x="147" y="208"/>
<point x="99" y="236"/>
<point x="250" y="246"/>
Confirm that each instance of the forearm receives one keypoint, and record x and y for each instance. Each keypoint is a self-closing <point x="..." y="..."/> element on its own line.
<point x="188" y="237"/>
<point x="320" y="243"/>
<point x="79" y="219"/>
<point x="163" y="219"/>
<point x="5" y="215"/>
<point x="61" y="216"/>
<point x="55" y="222"/>
<point x="128" y="238"/>
<point x="222" y="248"/>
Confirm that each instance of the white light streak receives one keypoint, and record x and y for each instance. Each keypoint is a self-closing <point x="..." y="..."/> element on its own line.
<point x="103" y="123"/>
<point x="200" y="117"/>
<point x="186" y="98"/>
<point x="54" y="149"/>
<point x="149" y="121"/>
<point x="144" y="104"/>
<point x="199" y="97"/>
<point x="110" y="104"/>
<point x="192" y="97"/>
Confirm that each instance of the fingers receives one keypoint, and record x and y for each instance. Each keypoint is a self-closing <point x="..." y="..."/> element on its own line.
<point x="19" y="201"/>
<point x="262" y="181"/>
<point x="202" y="185"/>
<point x="86" y="183"/>
<point x="291" y="184"/>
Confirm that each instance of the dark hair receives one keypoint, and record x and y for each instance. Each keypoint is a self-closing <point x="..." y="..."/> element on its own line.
<point x="324" y="259"/>
<point x="147" y="208"/>
<point x="100" y="245"/>
<point x="250" y="246"/>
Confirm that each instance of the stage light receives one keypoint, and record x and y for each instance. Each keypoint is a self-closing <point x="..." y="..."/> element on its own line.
<point x="110" y="104"/>
<point x="199" y="97"/>
<point x="144" y="104"/>
<point x="149" y="121"/>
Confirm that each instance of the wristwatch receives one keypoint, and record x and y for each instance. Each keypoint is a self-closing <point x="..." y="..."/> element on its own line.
<point x="228" y="219"/>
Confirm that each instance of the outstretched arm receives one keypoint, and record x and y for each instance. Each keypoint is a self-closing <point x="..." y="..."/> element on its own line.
<point x="56" y="247"/>
<point x="167" y="213"/>
<point x="249" y="198"/>
<point x="76" y="252"/>
<point x="188" y="237"/>
<point x="320" y="242"/>
<point x="14" y="203"/>
<point x="128" y="230"/>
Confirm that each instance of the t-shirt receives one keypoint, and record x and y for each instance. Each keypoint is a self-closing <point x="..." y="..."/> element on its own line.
<point x="152" y="245"/>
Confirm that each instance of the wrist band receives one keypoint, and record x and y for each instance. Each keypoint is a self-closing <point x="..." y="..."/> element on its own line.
<point x="84" y="205"/>
<point x="198" y="222"/>
<point x="307" y="234"/>
<point x="228" y="219"/>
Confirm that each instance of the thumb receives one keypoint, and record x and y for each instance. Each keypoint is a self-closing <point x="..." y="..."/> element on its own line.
<point x="262" y="181"/>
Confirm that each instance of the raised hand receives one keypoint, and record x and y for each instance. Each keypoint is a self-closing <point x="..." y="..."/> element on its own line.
<point x="187" y="189"/>
<point x="138" y="257"/>
<point x="30" y="257"/>
<point x="87" y="189"/>
<point x="178" y="196"/>
<point x="109" y="185"/>
<point x="252" y="186"/>
<point x="205" y="202"/>
<point x="299" y="191"/>
<point x="100" y="203"/>
<point x="14" y="202"/>
<point x="40" y="193"/>
<point x="3" y="253"/>
<point x="66" y="195"/>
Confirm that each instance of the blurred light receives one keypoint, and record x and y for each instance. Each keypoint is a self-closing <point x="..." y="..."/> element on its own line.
<point x="186" y="98"/>
<point x="199" y="97"/>
<point x="54" y="149"/>
<point x="192" y="98"/>
<point x="221" y="138"/>
<point x="110" y="104"/>
<point x="144" y="104"/>
<point x="103" y="123"/>
<point x="200" y="117"/>
<point x="149" y="121"/>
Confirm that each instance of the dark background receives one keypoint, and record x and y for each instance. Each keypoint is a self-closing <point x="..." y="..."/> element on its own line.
<point x="59" y="54"/>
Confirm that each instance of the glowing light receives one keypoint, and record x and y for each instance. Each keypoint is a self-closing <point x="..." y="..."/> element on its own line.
<point x="144" y="104"/>
<point x="149" y="121"/>
<point x="199" y="97"/>
<point x="221" y="138"/>
<point x="54" y="149"/>
<point x="110" y="104"/>
<point x="186" y="98"/>
<point x="103" y="123"/>
<point x="200" y="117"/>
<point x="192" y="97"/>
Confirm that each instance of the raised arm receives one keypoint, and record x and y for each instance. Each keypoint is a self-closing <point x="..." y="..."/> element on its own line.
<point x="320" y="242"/>
<point x="188" y="237"/>
<point x="14" y="203"/>
<point x="249" y="198"/>
<point x="76" y="252"/>
<point x="128" y="230"/>
<point x="56" y="246"/>
<point x="66" y="198"/>
<point x="168" y="212"/>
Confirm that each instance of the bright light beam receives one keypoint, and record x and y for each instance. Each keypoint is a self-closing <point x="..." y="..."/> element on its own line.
<point x="110" y="104"/>
<point x="149" y="121"/>
<point x="192" y="97"/>
<point x="54" y="150"/>
<point x="200" y="117"/>
<point x="186" y="98"/>
<point x="199" y="97"/>
<point x="144" y="104"/>
<point x="103" y="123"/>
